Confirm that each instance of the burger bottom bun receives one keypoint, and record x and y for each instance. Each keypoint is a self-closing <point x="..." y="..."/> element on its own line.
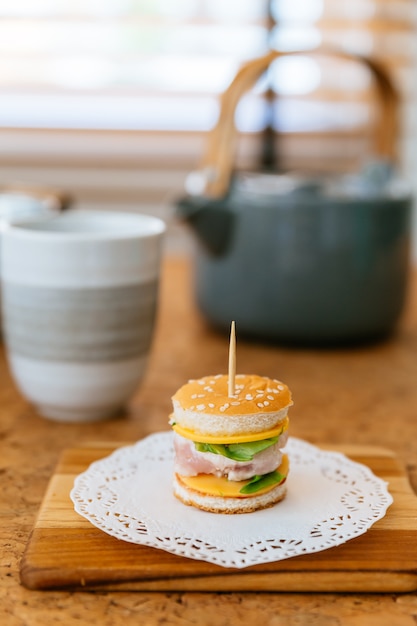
<point x="217" y="504"/>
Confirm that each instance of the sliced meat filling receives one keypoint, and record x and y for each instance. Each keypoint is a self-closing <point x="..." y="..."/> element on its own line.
<point x="191" y="462"/>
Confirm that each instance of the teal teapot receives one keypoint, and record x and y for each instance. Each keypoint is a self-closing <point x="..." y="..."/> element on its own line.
<point x="296" y="258"/>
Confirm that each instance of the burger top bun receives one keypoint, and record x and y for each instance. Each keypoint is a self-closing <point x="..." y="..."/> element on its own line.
<point x="258" y="404"/>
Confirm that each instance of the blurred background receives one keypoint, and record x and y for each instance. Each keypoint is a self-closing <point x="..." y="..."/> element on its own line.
<point x="111" y="100"/>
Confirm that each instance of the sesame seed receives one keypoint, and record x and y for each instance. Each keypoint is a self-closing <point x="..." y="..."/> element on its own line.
<point x="270" y="397"/>
<point x="200" y="407"/>
<point x="266" y="403"/>
<point x="249" y="396"/>
<point x="281" y="387"/>
<point x="260" y="405"/>
<point x="194" y="396"/>
<point x="211" y="405"/>
<point x="201" y="395"/>
<point x="235" y="403"/>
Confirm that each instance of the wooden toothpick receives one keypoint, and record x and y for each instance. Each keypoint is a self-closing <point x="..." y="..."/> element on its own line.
<point x="232" y="361"/>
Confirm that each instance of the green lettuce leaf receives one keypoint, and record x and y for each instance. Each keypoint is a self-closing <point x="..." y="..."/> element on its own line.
<point x="260" y="482"/>
<point x="237" y="451"/>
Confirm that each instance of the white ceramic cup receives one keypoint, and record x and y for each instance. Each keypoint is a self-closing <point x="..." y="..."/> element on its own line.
<point x="27" y="205"/>
<point x="79" y="303"/>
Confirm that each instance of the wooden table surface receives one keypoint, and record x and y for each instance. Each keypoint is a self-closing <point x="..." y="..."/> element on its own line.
<point x="363" y="395"/>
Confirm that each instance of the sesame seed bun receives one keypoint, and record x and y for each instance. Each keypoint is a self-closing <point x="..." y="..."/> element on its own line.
<point x="218" y="504"/>
<point x="258" y="404"/>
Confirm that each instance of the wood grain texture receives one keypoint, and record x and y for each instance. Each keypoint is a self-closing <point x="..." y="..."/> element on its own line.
<point x="65" y="550"/>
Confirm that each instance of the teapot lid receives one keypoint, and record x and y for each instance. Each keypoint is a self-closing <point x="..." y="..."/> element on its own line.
<point x="376" y="180"/>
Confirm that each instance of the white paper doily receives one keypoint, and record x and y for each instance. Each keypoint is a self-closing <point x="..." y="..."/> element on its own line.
<point x="330" y="500"/>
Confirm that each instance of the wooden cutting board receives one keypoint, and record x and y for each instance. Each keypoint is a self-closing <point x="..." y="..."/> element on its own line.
<point x="66" y="551"/>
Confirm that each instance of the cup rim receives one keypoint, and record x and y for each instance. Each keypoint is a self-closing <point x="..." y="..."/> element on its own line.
<point x="127" y="225"/>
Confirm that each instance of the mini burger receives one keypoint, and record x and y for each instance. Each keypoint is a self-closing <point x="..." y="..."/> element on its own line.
<point x="228" y="448"/>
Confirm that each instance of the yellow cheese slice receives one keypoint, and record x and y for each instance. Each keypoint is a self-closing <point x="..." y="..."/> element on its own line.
<point x="210" y="485"/>
<point x="265" y="434"/>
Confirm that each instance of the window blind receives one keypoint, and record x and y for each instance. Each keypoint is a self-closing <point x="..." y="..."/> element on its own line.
<point x="113" y="99"/>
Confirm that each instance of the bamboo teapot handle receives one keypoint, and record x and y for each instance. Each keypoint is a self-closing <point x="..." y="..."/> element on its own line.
<point x="216" y="168"/>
